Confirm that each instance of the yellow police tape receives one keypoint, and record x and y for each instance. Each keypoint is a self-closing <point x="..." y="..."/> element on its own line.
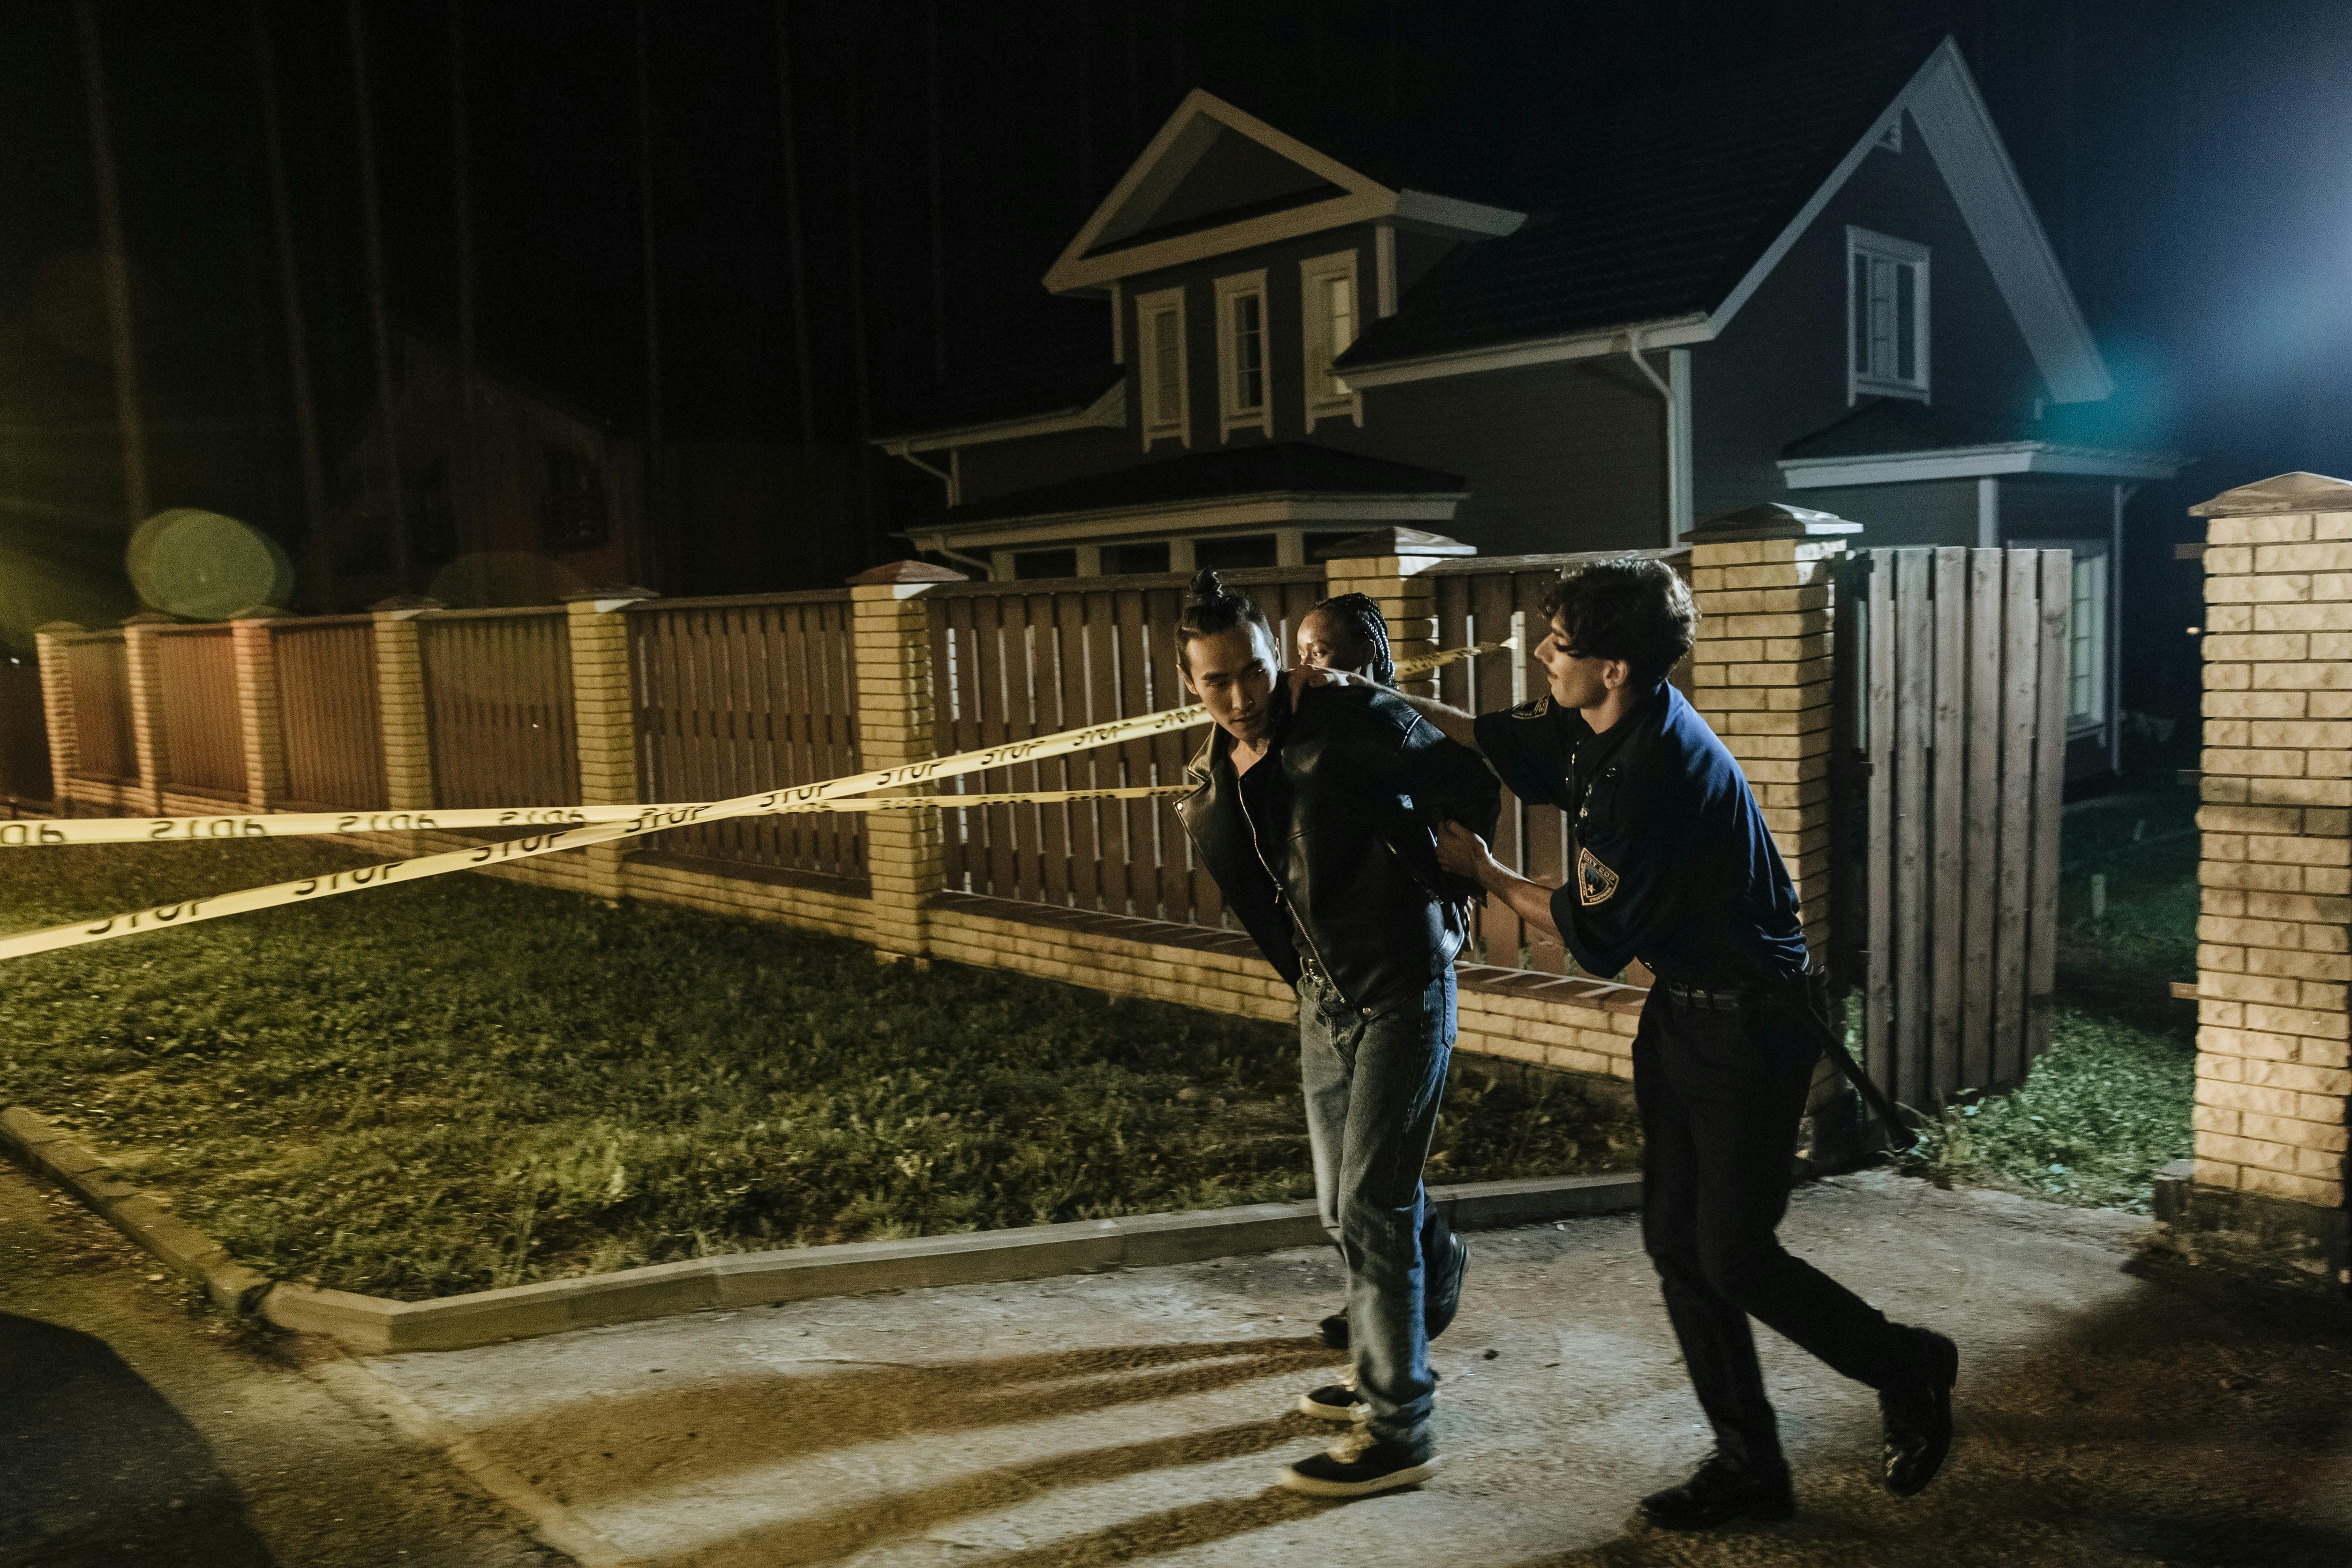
<point x="34" y="833"/>
<point x="823" y="795"/>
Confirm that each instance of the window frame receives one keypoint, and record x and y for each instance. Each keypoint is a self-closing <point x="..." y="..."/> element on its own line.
<point x="1147" y="306"/>
<point x="2090" y="560"/>
<point x="1314" y="336"/>
<point x="1231" y="291"/>
<point x="1859" y="380"/>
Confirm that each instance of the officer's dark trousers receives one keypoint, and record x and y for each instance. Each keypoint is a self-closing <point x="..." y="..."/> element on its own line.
<point x="1720" y="1095"/>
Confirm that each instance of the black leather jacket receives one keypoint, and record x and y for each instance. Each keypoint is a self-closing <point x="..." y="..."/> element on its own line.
<point x="1367" y="780"/>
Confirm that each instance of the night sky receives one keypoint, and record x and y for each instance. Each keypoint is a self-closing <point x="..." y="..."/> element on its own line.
<point x="2186" y="157"/>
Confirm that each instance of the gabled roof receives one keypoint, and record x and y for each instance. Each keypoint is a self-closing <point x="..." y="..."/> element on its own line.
<point x="1661" y="218"/>
<point x="1217" y="178"/>
<point x="1260" y="468"/>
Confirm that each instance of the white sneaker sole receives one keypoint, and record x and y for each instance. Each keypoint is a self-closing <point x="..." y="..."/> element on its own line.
<point x="1309" y="1406"/>
<point x="1410" y="1476"/>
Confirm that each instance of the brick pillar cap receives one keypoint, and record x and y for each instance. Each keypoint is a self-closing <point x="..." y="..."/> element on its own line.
<point x="2296" y="492"/>
<point x="410" y="601"/>
<point x="905" y="571"/>
<point x="58" y="628"/>
<point x="1394" y="540"/>
<point x="1771" y="520"/>
<point x="150" y="618"/>
<point x="616" y="590"/>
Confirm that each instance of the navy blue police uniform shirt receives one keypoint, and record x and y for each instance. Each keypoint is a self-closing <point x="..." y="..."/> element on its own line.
<point x="1671" y="863"/>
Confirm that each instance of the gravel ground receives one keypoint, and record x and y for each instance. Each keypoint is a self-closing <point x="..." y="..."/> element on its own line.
<point x="137" y="1429"/>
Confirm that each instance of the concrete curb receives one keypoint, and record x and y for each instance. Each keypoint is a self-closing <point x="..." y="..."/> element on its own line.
<point x="143" y="1216"/>
<point x="376" y="1326"/>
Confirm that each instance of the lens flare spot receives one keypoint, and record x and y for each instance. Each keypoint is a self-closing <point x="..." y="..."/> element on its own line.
<point x="205" y="566"/>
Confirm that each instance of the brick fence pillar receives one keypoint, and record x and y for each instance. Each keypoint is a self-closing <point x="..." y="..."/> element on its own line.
<point x="57" y="713"/>
<point x="1761" y="675"/>
<point x="905" y="857"/>
<point x="604" y="716"/>
<point x="259" y="718"/>
<point x="146" y="697"/>
<point x="2273" y="958"/>
<point x="1386" y="566"/>
<point x="400" y="699"/>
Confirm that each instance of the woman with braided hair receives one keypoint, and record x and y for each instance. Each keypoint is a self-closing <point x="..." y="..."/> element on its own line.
<point x="1347" y="632"/>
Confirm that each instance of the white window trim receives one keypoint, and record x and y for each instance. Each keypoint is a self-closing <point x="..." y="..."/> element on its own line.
<point x="2091" y="553"/>
<point x="1147" y="361"/>
<point x="1865" y="242"/>
<point x="1313" y="271"/>
<point x="1231" y="417"/>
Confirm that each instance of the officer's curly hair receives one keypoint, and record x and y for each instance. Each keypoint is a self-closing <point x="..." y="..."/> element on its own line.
<point x="1209" y="608"/>
<point x="1633" y="608"/>
<point x="1361" y="618"/>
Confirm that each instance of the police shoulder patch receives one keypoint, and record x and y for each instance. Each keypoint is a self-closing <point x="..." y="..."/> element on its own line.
<point x="1594" y="882"/>
<point x="1534" y="707"/>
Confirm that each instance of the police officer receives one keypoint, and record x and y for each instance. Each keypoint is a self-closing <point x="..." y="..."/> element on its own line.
<point x="1672" y="866"/>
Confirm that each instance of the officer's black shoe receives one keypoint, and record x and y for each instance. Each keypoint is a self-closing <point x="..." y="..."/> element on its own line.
<point x="1443" y="1297"/>
<point x="1917" y="1416"/>
<point x="1442" y="1301"/>
<point x="1722" y="1490"/>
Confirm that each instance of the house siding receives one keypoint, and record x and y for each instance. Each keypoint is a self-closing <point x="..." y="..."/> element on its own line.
<point x="1779" y="371"/>
<point x="1932" y="512"/>
<point x="1558" y="457"/>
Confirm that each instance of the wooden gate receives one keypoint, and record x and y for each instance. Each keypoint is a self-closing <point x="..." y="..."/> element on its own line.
<point x="1951" y="751"/>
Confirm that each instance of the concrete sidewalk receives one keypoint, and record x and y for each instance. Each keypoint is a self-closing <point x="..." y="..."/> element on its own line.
<point x="2107" y="1418"/>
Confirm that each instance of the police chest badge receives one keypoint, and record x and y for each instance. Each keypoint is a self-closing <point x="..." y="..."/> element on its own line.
<point x="1594" y="882"/>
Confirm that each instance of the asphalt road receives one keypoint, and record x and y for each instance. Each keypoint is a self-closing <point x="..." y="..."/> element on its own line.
<point x="138" y="1430"/>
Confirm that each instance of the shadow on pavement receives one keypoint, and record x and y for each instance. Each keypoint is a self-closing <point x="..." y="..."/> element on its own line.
<point x="98" y="1469"/>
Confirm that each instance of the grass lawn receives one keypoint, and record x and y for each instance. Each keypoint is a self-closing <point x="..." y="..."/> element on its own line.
<point x="2110" y="1101"/>
<point x="465" y="1082"/>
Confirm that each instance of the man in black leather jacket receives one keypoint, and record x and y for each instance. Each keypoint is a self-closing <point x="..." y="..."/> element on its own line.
<point x="1316" y="810"/>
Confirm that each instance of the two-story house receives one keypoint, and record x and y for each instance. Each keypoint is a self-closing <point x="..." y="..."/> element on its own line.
<point x="1820" y="283"/>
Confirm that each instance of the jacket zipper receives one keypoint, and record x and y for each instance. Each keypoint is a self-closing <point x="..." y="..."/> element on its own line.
<point x="1297" y="925"/>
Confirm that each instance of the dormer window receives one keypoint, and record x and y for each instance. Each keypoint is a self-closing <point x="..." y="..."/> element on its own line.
<point x="1242" y="399"/>
<point x="1886" y="316"/>
<point x="1159" y="334"/>
<point x="1327" y="287"/>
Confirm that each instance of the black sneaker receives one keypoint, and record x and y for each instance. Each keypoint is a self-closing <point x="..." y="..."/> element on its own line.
<point x="1359" y="1465"/>
<point x="1334" y="1402"/>
<point x="1917" y="1417"/>
<point x="1721" y="1491"/>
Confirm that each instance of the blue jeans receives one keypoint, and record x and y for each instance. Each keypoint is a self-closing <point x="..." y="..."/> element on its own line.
<point x="1374" y="1079"/>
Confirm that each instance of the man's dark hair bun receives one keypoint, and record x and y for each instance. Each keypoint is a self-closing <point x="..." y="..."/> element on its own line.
<point x="1212" y="608"/>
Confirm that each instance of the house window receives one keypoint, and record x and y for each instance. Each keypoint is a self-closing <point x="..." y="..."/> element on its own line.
<point x="573" y="514"/>
<point x="1234" y="554"/>
<point x="2086" y="636"/>
<point x="1031" y="564"/>
<point x="1117" y="560"/>
<point x="1159" y="334"/>
<point x="1242" y="401"/>
<point x="1886" y="316"/>
<point x="1326" y="287"/>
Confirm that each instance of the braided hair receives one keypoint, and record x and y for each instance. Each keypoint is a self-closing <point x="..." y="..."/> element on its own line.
<point x="1211" y="608"/>
<point x="1362" y="619"/>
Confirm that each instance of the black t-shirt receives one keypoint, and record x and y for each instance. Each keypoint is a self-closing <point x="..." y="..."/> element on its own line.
<point x="1671" y="863"/>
